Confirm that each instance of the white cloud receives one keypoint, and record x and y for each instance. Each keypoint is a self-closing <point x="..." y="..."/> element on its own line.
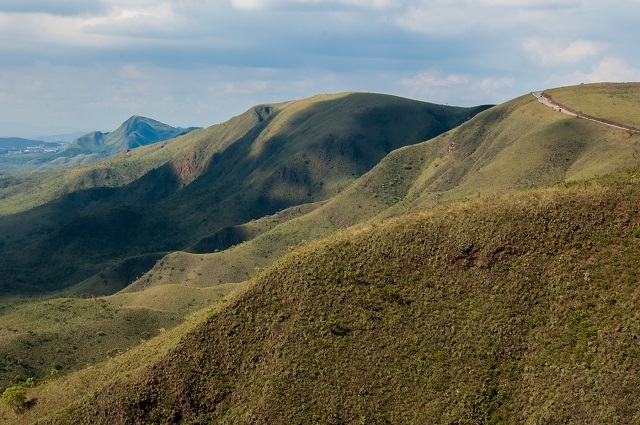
<point x="245" y="87"/>
<point x="532" y="3"/>
<point x="34" y="29"/>
<point x="456" y="17"/>
<point x="117" y="25"/>
<point x="613" y="70"/>
<point x="449" y="19"/>
<point x="58" y="7"/>
<point x="432" y="79"/>
<point x="551" y="53"/>
<point x="459" y="89"/>
<point x="375" y="4"/>
<point x="96" y="60"/>
<point x="609" y="69"/>
<point x="249" y="4"/>
<point x="430" y="85"/>
<point x="491" y="84"/>
<point x="261" y="4"/>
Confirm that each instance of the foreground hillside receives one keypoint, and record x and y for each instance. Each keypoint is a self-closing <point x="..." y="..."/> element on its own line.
<point x="513" y="309"/>
<point x="63" y="227"/>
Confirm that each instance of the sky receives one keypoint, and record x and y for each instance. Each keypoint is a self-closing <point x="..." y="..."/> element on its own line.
<point x="84" y="65"/>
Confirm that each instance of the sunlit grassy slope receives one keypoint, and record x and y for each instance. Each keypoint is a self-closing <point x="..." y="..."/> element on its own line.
<point x="618" y="102"/>
<point x="511" y="309"/>
<point x="514" y="146"/>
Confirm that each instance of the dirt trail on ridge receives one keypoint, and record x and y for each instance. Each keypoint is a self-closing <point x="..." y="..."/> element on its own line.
<point x="547" y="100"/>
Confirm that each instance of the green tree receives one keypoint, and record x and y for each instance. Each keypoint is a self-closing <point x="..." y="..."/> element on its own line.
<point x="16" y="398"/>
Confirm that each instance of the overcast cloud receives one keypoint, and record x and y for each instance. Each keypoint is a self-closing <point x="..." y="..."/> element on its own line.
<point x="89" y="64"/>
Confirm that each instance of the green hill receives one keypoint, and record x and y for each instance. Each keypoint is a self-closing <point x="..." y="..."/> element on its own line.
<point x="168" y="196"/>
<point x="10" y="143"/>
<point x="515" y="146"/>
<point x="614" y="102"/>
<point x="505" y="310"/>
<point x="482" y="300"/>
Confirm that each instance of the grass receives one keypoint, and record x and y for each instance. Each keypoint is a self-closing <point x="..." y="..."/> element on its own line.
<point x="327" y="331"/>
<point x="68" y="334"/>
<point x="489" y="311"/>
<point x="114" y="218"/>
<point x="124" y="364"/>
<point x="515" y="146"/>
<point x="169" y="196"/>
<point x="618" y="102"/>
<point x="175" y="298"/>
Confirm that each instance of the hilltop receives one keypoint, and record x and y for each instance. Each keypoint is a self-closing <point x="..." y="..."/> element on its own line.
<point x="135" y="132"/>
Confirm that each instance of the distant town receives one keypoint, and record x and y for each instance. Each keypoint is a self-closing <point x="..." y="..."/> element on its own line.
<point x="47" y="147"/>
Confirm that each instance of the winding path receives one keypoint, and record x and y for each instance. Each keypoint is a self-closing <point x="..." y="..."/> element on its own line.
<point x="548" y="101"/>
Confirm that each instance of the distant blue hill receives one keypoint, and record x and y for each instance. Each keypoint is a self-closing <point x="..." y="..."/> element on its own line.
<point x="17" y="143"/>
<point x="91" y="147"/>
<point x="135" y="132"/>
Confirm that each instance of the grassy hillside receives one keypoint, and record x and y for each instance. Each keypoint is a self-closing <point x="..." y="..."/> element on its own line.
<point x="618" y="102"/>
<point x="484" y="254"/>
<point x="514" y="309"/>
<point x="60" y="335"/>
<point x="515" y="146"/>
<point x="169" y="196"/>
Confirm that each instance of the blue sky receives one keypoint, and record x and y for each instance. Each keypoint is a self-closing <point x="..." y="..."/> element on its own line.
<point x="87" y="65"/>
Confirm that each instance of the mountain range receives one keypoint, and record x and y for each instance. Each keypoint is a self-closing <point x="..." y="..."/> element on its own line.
<point x="349" y="258"/>
<point x="91" y="147"/>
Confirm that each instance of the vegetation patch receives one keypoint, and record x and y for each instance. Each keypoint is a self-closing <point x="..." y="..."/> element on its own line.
<point x="483" y="312"/>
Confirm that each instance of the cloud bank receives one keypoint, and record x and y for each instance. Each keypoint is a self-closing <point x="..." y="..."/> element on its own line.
<point x="89" y="64"/>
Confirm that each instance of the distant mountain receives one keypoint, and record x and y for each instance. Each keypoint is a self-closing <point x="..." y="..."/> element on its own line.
<point x="65" y="138"/>
<point x="91" y="147"/>
<point x="135" y="132"/>
<point x="17" y="143"/>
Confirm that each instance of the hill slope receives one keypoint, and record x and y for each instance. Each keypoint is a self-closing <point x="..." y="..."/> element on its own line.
<point x="7" y="143"/>
<point x="546" y="147"/>
<point x="168" y="196"/>
<point x="518" y="145"/>
<point x="507" y="310"/>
